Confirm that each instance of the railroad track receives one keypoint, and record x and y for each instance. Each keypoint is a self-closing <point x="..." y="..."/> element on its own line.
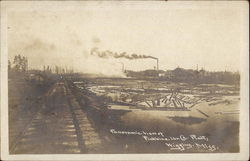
<point x="61" y="127"/>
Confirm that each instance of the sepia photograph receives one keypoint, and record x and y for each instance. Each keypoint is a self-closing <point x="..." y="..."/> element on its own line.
<point x="124" y="78"/>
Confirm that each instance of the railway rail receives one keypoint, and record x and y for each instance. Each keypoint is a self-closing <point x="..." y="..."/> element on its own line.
<point x="61" y="126"/>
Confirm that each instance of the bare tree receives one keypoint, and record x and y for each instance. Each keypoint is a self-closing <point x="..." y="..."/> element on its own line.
<point x="20" y="63"/>
<point x="9" y="65"/>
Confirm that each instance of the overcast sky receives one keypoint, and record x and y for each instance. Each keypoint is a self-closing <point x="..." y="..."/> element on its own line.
<point x="206" y="34"/>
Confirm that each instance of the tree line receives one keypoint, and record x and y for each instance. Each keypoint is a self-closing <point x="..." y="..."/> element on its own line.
<point x="188" y="76"/>
<point x="19" y="64"/>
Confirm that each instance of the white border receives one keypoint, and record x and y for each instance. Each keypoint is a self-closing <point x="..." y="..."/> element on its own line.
<point x="76" y="5"/>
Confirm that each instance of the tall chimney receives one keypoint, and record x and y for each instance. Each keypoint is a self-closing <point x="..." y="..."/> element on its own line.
<point x="122" y="66"/>
<point x="157" y="67"/>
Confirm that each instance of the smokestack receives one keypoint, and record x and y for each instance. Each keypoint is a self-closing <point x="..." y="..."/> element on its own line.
<point x="157" y="61"/>
<point x="122" y="66"/>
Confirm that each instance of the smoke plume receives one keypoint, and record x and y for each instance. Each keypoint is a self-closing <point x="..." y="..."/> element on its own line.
<point x="110" y="54"/>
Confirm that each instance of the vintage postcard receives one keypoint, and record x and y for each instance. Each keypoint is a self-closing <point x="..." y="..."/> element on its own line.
<point x="106" y="80"/>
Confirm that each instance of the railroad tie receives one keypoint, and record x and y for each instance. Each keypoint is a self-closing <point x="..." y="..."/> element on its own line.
<point x="91" y="138"/>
